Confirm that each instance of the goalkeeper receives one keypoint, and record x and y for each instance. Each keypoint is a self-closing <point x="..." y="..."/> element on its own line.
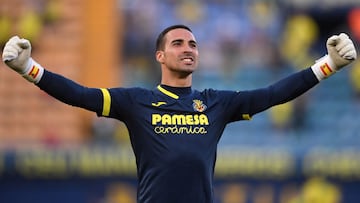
<point x="174" y="129"/>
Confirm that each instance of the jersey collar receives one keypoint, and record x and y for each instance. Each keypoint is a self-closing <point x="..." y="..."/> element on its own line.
<point x="174" y="92"/>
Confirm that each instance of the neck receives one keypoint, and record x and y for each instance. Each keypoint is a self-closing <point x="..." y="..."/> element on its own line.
<point x="176" y="79"/>
<point x="177" y="82"/>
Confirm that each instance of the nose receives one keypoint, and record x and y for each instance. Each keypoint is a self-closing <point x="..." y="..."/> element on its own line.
<point x="187" y="49"/>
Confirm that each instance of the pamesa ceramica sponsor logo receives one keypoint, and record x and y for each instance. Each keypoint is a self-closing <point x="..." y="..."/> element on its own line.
<point x="192" y="124"/>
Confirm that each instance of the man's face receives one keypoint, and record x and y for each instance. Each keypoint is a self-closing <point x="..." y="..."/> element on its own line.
<point x="180" y="52"/>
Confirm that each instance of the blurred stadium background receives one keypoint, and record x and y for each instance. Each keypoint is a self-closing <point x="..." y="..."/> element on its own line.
<point x="305" y="151"/>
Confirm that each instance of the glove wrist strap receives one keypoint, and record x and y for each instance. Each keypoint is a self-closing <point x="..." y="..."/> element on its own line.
<point x="33" y="71"/>
<point x="324" y="67"/>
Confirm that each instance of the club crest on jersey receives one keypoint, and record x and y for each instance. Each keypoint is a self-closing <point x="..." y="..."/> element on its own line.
<point x="199" y="106"/>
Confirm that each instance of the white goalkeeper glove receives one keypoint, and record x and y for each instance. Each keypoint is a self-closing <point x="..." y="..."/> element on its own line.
<point x="16" y="55"/>
<point x="341" y="52"/>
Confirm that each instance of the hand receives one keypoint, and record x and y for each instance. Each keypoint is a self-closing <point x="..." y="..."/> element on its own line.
<point x="341" y="50"/>
<point x="16" y="54"/>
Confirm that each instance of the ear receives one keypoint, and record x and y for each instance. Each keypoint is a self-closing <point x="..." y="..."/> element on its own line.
<point x="160" y="56"/>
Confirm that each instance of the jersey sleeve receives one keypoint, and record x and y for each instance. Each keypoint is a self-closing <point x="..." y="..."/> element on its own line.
<point x="107" y="102"/>
<point x="70" y="92"/>
<point x="245" y="104"/>
<point x="118" y="103"/>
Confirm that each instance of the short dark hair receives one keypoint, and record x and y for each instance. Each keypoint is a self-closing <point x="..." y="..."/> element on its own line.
<point x="160" y="39"/>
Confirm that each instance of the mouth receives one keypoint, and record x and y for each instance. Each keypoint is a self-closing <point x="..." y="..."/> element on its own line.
<point x="188" y="59"/>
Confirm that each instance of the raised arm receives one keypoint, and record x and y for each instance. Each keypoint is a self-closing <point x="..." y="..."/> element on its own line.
<point x="16" y="55"/>
<point x="341" y="52"/>
<point x="280" y="92"/>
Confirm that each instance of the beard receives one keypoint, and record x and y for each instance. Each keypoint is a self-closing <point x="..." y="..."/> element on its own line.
<point x="182" y="71"/>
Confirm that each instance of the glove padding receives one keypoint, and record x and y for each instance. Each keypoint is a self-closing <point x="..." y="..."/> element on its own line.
<point x="16" y="55"/>
<point x="341" y="50"/>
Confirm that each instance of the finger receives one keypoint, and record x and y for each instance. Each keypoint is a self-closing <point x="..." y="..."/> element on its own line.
<point x="333" y="40"/>
<point x="343" y="36"/>
<point x="10" y="53"/>
<point x="13" y="43"/>
<point x="9" y="57"/>
<point x="12" y="40"/>
<point x="345" y="49"/>
<point x="24" y="44"/>
<point x="343" y="43"/>
<point x="351" y="55"/>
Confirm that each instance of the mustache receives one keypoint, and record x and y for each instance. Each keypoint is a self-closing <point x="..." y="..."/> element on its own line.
<point x="187" y="56"/>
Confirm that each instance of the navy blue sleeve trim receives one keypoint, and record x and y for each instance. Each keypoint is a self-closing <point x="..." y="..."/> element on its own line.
<point x="71" y="93"/>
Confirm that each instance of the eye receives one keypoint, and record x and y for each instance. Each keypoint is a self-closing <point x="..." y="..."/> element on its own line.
<point x="177" y="43"/>
<point x="193" y="45"/>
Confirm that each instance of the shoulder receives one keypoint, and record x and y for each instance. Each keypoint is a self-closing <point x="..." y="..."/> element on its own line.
<point x="213" y="96"/>
<point x="130" y="90"/>
<point x="133" y="94"/>
<point x="217" y="93"/>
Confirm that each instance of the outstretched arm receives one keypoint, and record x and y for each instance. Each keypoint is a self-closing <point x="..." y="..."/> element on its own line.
<point x="280" y="92"/>
<point x="16" y="55"/>
<point x="70" y="92"/>
<point x="341" y="52"/>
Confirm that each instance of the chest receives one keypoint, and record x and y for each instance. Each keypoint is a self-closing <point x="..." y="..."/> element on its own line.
<point x="179" y="124"/>
<point x="179" y="117"/>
